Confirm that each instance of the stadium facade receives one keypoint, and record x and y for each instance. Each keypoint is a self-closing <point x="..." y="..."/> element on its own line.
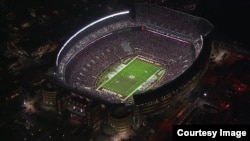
<point x="171" y="39"/>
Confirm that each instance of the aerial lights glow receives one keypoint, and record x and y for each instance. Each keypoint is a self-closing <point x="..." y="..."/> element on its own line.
<point x="86" y="27"/>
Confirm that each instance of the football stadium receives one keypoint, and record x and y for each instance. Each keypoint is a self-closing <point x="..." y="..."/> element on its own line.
<point x="141" y="56"/>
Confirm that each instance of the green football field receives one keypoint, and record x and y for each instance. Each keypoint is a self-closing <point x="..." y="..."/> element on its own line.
<point x="131" y="77"/>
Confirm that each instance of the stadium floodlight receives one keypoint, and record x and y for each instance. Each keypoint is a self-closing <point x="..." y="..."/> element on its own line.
<point x="86" y="27"/>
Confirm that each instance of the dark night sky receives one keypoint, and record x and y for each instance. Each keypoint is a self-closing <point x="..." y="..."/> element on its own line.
<point x="230" y="17"/>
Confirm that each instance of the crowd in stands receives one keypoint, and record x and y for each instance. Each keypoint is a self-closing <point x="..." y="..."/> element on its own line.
<point x="85" y="37"/>
<point x="172" y="20"/>
<point x="85" y="67"/>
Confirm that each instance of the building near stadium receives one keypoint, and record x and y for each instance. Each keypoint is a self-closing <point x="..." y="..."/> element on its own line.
<point x="49" y="93"/>
<point x="144" y="57"/>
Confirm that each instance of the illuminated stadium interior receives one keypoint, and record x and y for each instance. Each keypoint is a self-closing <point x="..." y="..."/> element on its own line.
<point x="121" y="55"/>
<point x="131" y="76"/>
